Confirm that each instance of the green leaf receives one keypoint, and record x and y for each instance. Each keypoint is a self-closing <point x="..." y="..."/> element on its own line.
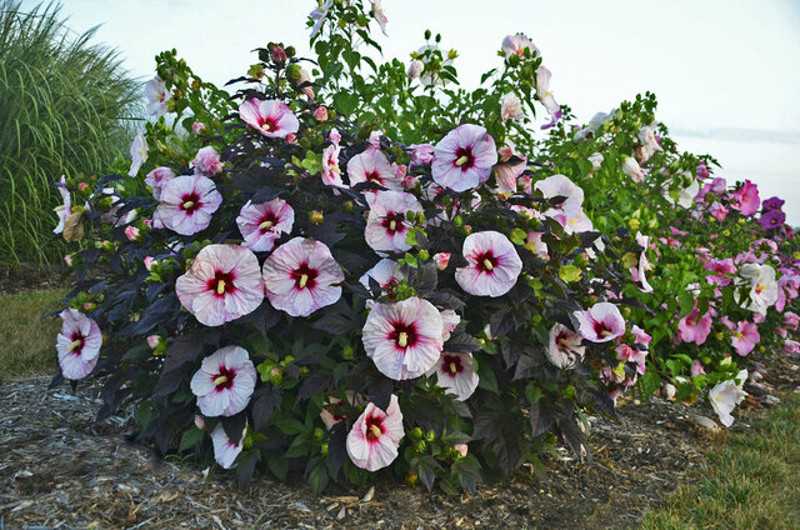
<point x="686" y="300"/>
<point x="486" y="378"/>
<point x="278" y="466"/>
<point x="190" y="438"/>
<point x="570" y="273"/>
<point x="345" y="103"/>
<point x="533" y="393"/>
<point x="518" y="236"/>
<point x="318" y="478"/>
<point x="650" y="382"/>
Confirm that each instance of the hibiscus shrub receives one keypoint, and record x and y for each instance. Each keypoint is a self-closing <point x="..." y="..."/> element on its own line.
<point x="397" y="280"/>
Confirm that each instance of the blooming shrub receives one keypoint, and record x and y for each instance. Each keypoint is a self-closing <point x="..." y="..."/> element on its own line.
<point x="332" y="279"/>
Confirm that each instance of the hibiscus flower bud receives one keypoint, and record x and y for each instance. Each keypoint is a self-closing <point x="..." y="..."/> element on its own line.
<point x="321" y="113"/>
<point x="132" y="233"/>
<point x="153" y="341"/>
<point x="415" y="69"/>
<point x="278" y="54"/>
<point x="462" y="449"/>
<point x="316" y="217"/>
<point x="504" y="154"/>
<point x="68" y="260"/>
<point x="199" y="422"/>
<point x="441" y="259"/>
<point x="199" y="128"/>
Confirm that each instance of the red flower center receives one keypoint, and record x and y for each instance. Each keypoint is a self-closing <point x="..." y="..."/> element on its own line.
<point x="393" y="223"/>
<point x="404" y="335"/>
<point x="389" y="287"/>
<point x="451" y="365"/>
<point x="190" y="202"/>
<point x="464" y="158"/>
<point x="224" y="378"/>
<point x="305" y="277"/>
<point x="373" y="176"/>
<point x="267" y="222"/>
<point x="269" y="124"/>
<point x="222" y="283"/>
<point x="77" y="342"/>
<point x="486" y="262"/>
<point x="375" y="428"/>
<point x="601" y="330"/>
<point x="562" y="341"/>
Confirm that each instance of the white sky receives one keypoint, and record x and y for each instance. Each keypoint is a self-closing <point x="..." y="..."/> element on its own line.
<point x="721" y="69"/>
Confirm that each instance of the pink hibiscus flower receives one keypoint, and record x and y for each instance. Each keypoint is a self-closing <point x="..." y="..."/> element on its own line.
<point x="387" y="273"/>
<point x="187" y="204"/>
<point x="373" y="166"/>
<point x="718" y="211"/>
<point x="506" y="175"/>
<point x="158" y="178"/>
<point x="225" y="451"/>
<point x="463" y="159"/>
<point x="697" y="369"/>
<point x="564" y="348"/>
<point x="404" y="340"/>
<point x="746" y="199"/>
<point x="720" y="268"/>
<point x="561" y="186"/>
<point x="373" y="441"/>
<point x="301" y="276"/>
<point x="223" y="284"/>
<point x="517" y="44"/>
<point x="455" y="373"/>
<point x="269" y="117"/>
<point x="207" y="162"/>
<point x="693" y="328"/>
<point x="65" y="210"/>
<point x="331" y="172"/>
<point x="632" y="355"/>
<point x="78" y="344"/>
<point x="387" y="226"/>
<point x="745" y="337"/>
<point x="601" y="323"/>
<point x="638" y="272"/>
<point x="262" y="224"/>
<point x="791" y="320"/>
<point x="493" y="264"/>
<point x="225" y="381"/>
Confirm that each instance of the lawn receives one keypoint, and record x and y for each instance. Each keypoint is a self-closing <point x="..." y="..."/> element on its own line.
<point x="750" y="482"/>
<point x="27" y="342"/>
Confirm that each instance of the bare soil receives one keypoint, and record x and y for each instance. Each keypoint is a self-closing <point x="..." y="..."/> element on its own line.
<point x="60" y="468"/>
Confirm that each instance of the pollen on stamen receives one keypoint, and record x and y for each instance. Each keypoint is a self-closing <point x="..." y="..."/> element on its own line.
<point x="402" y="339"/>
<point x="188" y="205"/>
<point x="463" y="159"/>
<point x="221" y="287"/>
<point x="487" y="264"/>
<point x="303" y="281"/>
<point x="266" y="225"/>
<point x="221" y="380"/>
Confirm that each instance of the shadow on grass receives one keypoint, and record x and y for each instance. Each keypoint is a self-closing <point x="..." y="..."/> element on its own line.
<point x="27" y="342"/>
<point x="751" y="482"/>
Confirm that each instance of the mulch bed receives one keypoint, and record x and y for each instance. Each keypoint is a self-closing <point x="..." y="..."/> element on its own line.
<point x="60" y="468"/>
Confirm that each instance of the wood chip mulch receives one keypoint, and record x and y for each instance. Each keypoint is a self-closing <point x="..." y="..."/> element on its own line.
<point x="60" y="468"/>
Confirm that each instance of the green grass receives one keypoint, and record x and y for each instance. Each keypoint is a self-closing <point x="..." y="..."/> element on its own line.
<point x="65" y="108"/>
<point x="753" y="481"/>
<point x="27" y="342"/>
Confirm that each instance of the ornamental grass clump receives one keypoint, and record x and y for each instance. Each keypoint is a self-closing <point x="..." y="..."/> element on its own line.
<point x="336" y="279"/>
<point x="65" y="108"/>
